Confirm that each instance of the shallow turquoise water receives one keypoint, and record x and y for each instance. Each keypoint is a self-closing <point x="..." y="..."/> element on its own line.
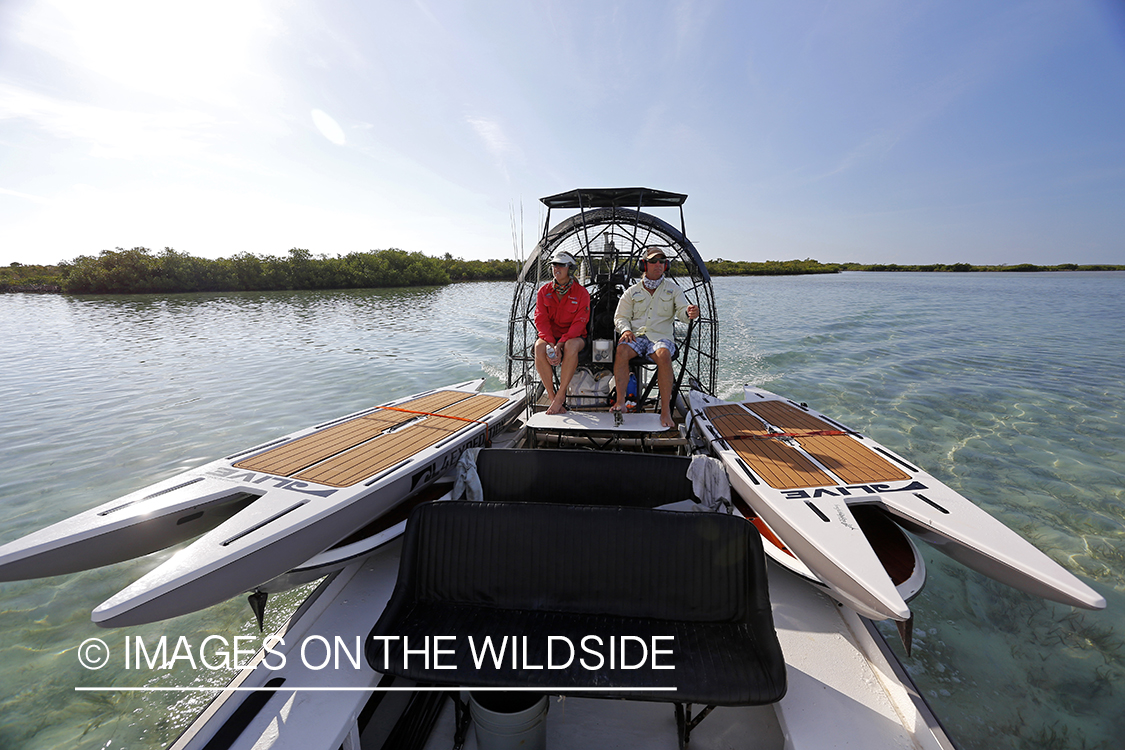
<point x="1006" y="386"/>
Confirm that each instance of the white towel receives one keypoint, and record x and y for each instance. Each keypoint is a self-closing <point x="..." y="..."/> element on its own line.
<point x="709" y="480"/>
<point x="467" y="482"/>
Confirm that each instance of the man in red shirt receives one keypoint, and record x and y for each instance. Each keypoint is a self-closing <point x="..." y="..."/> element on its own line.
<point x="562" y="309"/>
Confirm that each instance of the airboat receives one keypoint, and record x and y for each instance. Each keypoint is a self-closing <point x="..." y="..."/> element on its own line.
<point x="580" y="530"/>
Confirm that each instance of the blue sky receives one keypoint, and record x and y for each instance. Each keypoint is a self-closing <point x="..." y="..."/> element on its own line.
<point x="870" y="131"/>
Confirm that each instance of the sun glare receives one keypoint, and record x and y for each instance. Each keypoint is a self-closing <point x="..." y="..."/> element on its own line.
<point x="197" y="50"/>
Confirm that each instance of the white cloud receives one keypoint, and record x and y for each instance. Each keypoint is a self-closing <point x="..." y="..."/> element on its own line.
<point x="496" y="140"/>
<point x="26" y="196"/>
<point x="111" y="133"/>
<point x="328" y="127"/>
<point x="491" y="133"/>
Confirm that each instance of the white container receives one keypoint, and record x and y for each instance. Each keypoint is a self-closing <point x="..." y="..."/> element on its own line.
<point x="509" y="720"/>
<point x="603" y="350"/>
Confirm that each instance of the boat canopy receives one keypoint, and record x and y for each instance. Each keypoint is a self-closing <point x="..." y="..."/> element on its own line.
<point x="614" y="197"/>
<point x="607" y="237"/>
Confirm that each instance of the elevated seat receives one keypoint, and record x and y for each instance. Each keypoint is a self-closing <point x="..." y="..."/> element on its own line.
<point x="529" y="571"/>
<point x="605" y="289"/>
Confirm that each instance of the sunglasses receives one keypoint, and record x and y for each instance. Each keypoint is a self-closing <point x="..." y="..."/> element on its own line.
<point x="657" y="260"/>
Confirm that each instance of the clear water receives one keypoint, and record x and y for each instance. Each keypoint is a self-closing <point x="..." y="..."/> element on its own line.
<point x="1006" y="386"/>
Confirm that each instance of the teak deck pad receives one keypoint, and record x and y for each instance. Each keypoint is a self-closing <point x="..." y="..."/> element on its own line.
<point x="347" y="453"/>
<point x="783" y="467"/>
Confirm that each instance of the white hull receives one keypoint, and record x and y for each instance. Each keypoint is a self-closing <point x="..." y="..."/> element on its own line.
<point x="817" y="523"/>
<point x="909" y="585"/>
<point x="141" y="522"/>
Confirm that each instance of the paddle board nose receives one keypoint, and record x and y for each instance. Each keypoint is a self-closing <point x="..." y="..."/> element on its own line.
<point x="882" y="608"/>
<point x="867" y="590"/>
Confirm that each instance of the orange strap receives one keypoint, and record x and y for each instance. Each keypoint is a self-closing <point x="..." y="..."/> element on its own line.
<point x="445" y="416"/>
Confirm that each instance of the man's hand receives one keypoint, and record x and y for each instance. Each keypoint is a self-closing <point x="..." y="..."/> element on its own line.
<point x="627" y="337"/>
<point x="693" y="311"/>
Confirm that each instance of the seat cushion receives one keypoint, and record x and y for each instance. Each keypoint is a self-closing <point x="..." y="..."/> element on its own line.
<point x="562" y="573"/>
<point x="633" y="562"/>
<point x="583" y="477"/>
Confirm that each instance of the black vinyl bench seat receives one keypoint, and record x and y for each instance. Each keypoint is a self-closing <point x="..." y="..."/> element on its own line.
<point x="473" y="569"/>
<point x="583" y="477"/>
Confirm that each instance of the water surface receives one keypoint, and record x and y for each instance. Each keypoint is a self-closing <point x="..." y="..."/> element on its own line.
<point x="1006" y="386"/>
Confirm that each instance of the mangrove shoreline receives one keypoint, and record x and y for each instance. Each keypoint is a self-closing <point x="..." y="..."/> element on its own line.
<point x="140" y="271"/>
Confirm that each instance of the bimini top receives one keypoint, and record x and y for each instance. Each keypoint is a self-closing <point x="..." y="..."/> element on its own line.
<point x="613" y="198"/>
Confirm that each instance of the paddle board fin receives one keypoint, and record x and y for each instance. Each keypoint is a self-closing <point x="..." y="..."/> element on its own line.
<point x="258" y="605"/>
<point x="905" y="632"/>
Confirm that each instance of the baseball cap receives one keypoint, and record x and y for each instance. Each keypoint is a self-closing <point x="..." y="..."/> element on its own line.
<point x="655" y="253"/>
<point x="563" y="256"/>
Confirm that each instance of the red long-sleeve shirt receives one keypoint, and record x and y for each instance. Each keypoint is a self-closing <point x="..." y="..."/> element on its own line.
<point x="560" y="319"/>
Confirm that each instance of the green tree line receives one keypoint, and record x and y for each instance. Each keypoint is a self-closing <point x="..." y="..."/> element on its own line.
<point x="720" y="267"/>
<point x="968" y="267"/>
<point x="140" y="271"/>
<point x="20" y="278"/>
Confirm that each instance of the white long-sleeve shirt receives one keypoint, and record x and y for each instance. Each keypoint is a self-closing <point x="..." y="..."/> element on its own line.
<point x="652" y="314"/>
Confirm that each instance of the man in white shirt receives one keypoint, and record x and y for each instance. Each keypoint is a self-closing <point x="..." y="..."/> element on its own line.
<point x="644" y="319"/>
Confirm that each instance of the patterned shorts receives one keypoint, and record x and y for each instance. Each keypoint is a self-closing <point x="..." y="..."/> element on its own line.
<point x="643" y="347"/>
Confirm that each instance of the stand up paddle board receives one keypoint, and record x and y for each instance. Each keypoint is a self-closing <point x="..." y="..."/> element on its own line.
<point x="803" y="472"/>
<point x="267" y="509"/>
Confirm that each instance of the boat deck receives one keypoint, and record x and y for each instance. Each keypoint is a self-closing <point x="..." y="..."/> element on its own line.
<point x="747" y="428"/>
<point x="347" y="453"/>
<point x="844" y="688"/>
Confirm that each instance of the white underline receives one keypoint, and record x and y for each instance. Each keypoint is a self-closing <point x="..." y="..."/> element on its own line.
<point x="429" y="689"/>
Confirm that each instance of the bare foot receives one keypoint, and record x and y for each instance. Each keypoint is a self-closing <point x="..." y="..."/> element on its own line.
<point x="666" y="421"/>
<point x="618" y="407"/>
<point x="559" y="408"/>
